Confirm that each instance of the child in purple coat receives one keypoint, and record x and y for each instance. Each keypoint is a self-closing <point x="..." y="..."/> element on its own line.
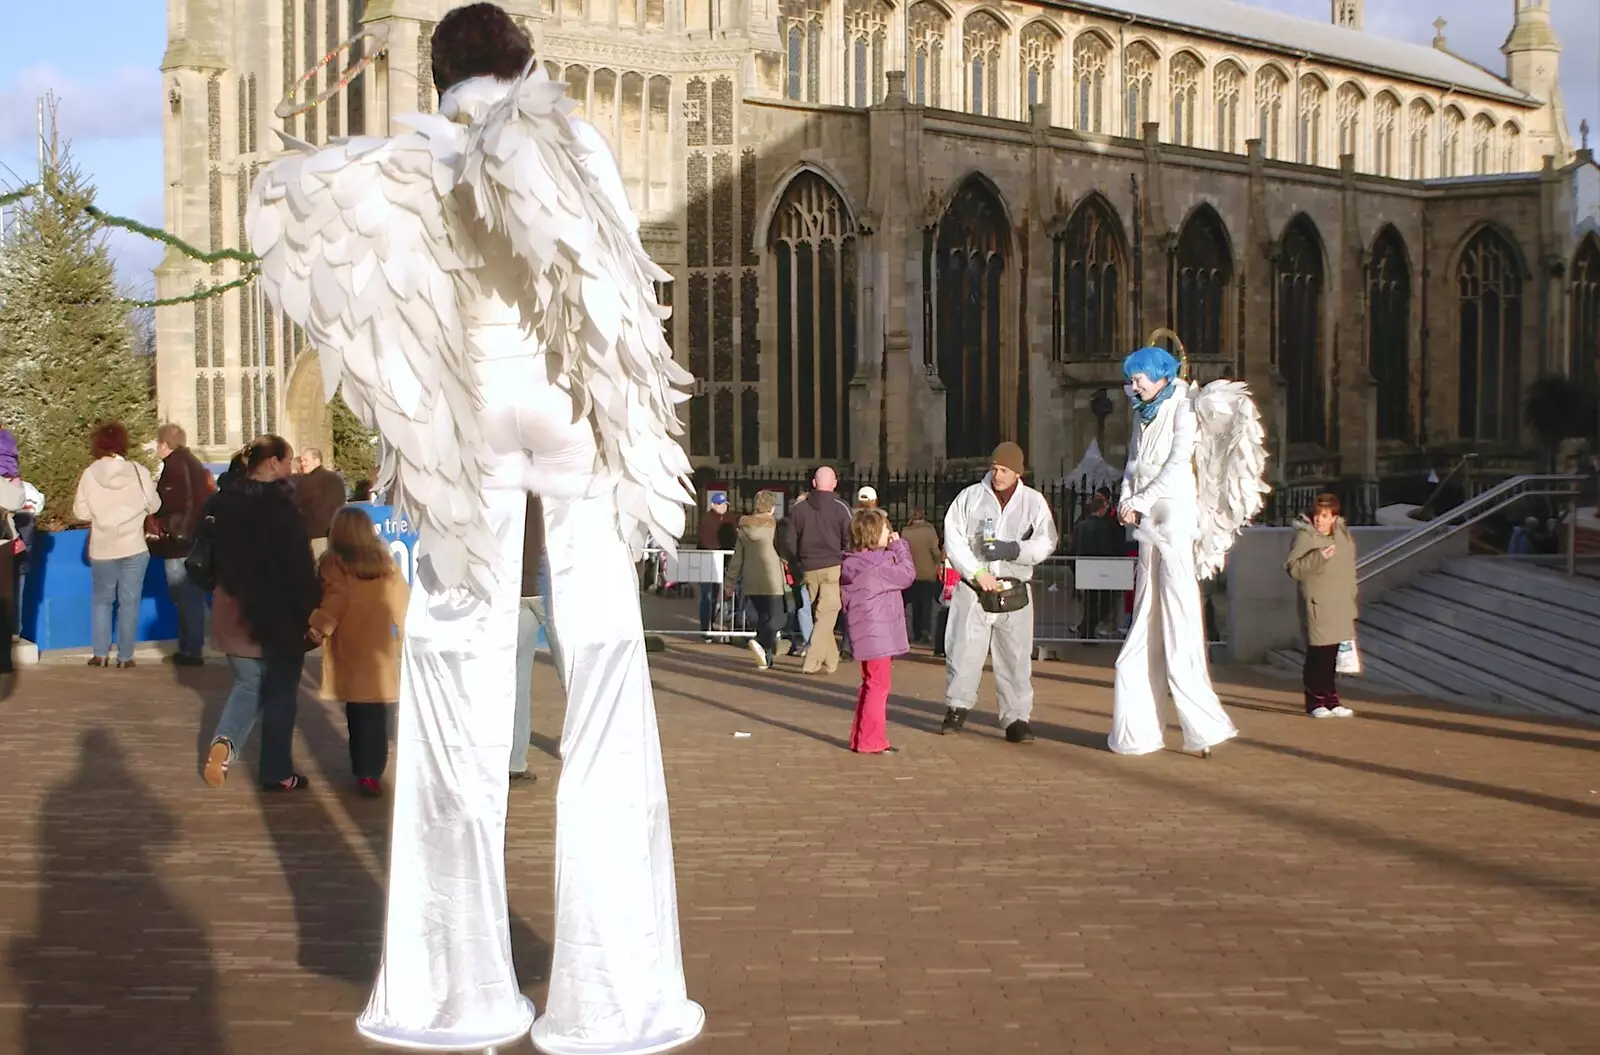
<point x="870" y="581"/>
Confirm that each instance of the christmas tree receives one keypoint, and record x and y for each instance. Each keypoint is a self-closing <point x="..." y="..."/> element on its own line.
<point x="66" y="340"/>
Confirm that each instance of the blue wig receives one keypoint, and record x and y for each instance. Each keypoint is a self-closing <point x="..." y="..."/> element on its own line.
<point x="1155" y="363"/>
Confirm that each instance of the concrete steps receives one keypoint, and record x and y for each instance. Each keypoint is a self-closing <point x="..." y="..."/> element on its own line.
<point x="1486" y="631"/>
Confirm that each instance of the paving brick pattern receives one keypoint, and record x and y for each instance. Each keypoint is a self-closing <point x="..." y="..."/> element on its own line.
<point x="1415" y="879"/>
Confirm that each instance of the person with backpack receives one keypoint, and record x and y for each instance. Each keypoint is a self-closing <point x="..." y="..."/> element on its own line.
<point x="184" y="488"/>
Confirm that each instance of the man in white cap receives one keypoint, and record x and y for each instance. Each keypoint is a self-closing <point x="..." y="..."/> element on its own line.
<point x="867" y="498"/>
<point x="998" y="528"/>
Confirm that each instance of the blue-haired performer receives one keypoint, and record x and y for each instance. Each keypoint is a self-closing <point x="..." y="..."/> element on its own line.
<point x="1166" y="645"/>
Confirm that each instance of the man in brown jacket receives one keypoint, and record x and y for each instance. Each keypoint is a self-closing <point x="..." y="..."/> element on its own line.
<point x="318" y="493"/>
<point x="928" y="556"/>
<point x="184" y="486"/>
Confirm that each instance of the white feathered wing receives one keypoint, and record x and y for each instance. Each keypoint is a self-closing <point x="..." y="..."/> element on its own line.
<point x="364" y="245"/>
<point x="589" y="292"/>
<point x="1230" y="468"/>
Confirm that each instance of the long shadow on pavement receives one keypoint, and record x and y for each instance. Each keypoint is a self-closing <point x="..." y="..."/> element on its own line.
<point x="116" y="963"/>
<point x="1415" y="721"/>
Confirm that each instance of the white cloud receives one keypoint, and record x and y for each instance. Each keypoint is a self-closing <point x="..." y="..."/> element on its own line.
<point x="123" y="103"/>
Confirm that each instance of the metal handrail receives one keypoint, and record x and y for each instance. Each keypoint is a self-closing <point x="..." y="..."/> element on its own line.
<point x="1446" y="525"/>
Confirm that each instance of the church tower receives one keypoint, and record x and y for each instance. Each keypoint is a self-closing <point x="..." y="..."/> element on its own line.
<point x="1533" y="65"/>
<point x="1348" y="13"/>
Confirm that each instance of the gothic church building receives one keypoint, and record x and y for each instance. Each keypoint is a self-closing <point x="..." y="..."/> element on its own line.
<point x="903" y="231"/>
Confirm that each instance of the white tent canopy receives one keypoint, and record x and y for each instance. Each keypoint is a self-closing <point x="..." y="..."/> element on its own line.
<point x="1093" y="471"/>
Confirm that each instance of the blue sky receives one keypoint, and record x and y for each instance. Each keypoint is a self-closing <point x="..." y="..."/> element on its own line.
<point x="101" y="57"/>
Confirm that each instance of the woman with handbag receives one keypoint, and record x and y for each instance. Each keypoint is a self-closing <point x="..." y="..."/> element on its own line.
<point x="757" y="570"/>
<point x="1323" y="561"/>
<point x="266" y="590"/>
<point x="115" y="495"/>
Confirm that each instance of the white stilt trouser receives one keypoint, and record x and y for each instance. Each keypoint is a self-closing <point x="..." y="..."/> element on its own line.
<point x="970" y="637"/>
<point x="1166" y="651"/>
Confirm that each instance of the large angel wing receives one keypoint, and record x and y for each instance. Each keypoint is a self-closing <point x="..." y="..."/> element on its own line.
<point x="363" y="244"/>
<point x="1230" y="466"/>
<point x="588" y="293"/>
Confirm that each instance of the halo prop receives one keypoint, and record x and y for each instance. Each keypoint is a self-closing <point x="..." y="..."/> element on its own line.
<point x="377" y="33"/>
<point x="1183" y="354"/>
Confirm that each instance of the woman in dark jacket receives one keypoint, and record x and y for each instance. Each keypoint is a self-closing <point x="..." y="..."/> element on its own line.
<point x="266" y="590"/>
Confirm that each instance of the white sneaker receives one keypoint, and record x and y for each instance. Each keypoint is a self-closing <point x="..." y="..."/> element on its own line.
<point x="760" y="653"/>
<point x="1322" y="712"/>
<point x="1342" y="712"/>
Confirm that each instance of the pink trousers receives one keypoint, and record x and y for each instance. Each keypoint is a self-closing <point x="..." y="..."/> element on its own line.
<point x="870" y="731"/>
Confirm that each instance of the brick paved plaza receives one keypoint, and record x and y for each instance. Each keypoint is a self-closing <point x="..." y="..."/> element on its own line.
<point x="1415" y="879"/>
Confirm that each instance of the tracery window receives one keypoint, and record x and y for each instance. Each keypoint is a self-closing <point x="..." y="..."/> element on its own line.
<point x="1184" y="78"/>
<point x="1040" y="46"/>
<point x="1482" y="144"/>
<point x="1389" y="334"/>
<point x="983" y="394"/>
<point x="927" y="28"/>
<point x="1450" y="142"/>
<point x="1299" y="273"/>
<point x="981" y="38"/>
<point x="866" y="33"/>
<point x="1489" y="287"/>
<point x="813" y="244"/>
<point x="1584" y="315"/>
<point x="1090" y="58"/>
<point x="800" y="27"/>
<point x="1087" y="284"/>
<point x="1308" y="141"/>
<point x="1227" y="84"/>
<point x="356" y="95"/>
<point x="1139" y="64"/>
<point x="1510" y="148"/>
<point x="1385" y="134"/>
<point x="1204" y="275"/>
<point x="1270" y="86"/>
<point x="1351" y="102"/>
<point x="1418" y="119"/>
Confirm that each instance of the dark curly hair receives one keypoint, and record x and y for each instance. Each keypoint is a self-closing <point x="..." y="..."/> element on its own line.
<point x="478" y="40"/>
<point x="108" y="439"/>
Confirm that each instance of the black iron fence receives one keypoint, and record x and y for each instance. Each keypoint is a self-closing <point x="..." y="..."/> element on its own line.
<point x="900" y="493"/>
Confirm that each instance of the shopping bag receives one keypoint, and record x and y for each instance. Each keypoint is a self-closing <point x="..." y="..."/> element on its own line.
<point x="1349" y="661"/>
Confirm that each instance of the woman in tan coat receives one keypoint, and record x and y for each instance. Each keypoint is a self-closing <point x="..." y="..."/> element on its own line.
<point x="756" y="567"/>
<point x="1323" y="561"/>
<point x="359" y="623"/>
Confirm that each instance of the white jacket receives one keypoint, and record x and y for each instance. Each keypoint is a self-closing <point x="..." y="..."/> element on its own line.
<point x="114" y="496"/>
<point x="1161" y="460"/>
<point x="1026" y="519"/>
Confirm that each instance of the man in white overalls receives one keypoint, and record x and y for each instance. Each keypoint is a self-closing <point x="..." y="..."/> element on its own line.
<point x="997" y="528"/>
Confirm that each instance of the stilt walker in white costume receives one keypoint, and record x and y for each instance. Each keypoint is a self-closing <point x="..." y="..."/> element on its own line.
<point x="478" y="287"/>
<point x="1194" y="478"/>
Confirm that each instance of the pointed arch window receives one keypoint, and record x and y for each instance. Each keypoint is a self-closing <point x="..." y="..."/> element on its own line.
<point x="981" y="38"/>
<point x="1088" y="284"/>
<point x="1139" y="65"/>
<point x="1184" y="78"/>
<point x="1299" y="269"/>
<point x="1090" y="57"/>
<point x="1271" y="84"/>
<point x="1489" y="289"/>
<point x="1385" y="134"/>
<point x="1389" y="334"/>
<point x="1351" y="103"/>
<point x="1227" y="85"/>
<point x="1510" y="148"/>
<point x="985" y="400"/>
<point x="813" y="243"/>
<point x="1204" y="275"/>
<point x="1584" y="315"/>
<point x="800" y="26"/>
<point x="866" y="31"/>
<point x="1418" y="120"/>
<point x="1308" y="140"/>
<point x="1450" y="143"/>
<point x="356" y="94"/>
<point x="927" y="28"/>
<point x="1040" y="46"/>
<point x="1483" y="158"/>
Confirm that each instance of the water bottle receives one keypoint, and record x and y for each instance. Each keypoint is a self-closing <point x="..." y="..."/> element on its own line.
<point x="988" y="536"/>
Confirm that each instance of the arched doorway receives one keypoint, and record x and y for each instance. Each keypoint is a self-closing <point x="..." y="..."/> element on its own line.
<point x="1299" y="328"/>
<point x="1389" y="333"/>
<point x="984" y="381"/>
<point x="306" y="419"/>
<point x="1489" y="288"/>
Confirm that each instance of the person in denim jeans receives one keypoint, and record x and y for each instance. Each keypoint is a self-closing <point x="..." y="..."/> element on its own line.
<point x="115" y="495"/>
<point x="184" y="488"/>
<point x="266" y="590"/>
<point x="532" y="616"/>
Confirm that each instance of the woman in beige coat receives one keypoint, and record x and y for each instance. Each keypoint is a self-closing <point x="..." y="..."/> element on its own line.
<point x="1323" y="562"/>
<point x="755" y="565"/>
